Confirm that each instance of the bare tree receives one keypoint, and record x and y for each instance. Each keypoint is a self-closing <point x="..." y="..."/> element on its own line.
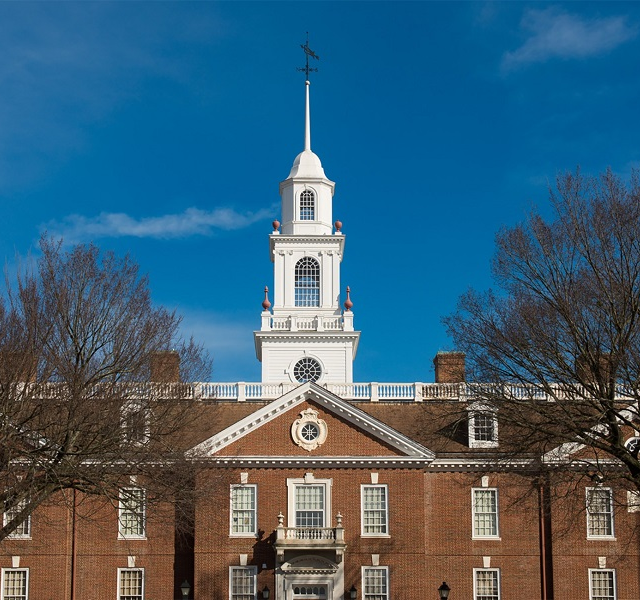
<point x="80" y="408"/>
<point x="556" y="348"/>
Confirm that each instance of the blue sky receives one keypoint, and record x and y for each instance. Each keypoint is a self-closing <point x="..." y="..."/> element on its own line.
<point x="163" y="130"/>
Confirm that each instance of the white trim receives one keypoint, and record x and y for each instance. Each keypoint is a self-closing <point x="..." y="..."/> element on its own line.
<point x="122" y="535"/>
<point x="386" y="510"/>
<point x="243" y="534"/>
<point x="253" y="569"/>
<point x="474" y="535"/>
<point x="126" y="569"/>
<point x="482" y="409"/>
<point x="15" y="535"/>
<point x="386" y="576"/>
<point x="475" y="581"/>
<point x="615" y="582"/>
<point x="332" y="403"/>
<point x="591" y="536"/>
<point x="292" y="483"/>
<point x="14" y="569"/>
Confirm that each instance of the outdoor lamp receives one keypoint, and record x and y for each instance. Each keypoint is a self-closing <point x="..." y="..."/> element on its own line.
<point x="185" y="588"/>
<point x="266" y="593"/>
<point x="444" y="590"/>
<point x="353" y="592"/>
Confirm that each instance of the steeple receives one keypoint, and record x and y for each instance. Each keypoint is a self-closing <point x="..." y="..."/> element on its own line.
<point x="305" y="335"/>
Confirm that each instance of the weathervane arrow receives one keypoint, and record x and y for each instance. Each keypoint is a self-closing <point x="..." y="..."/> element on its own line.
<point x="308" y="53"/>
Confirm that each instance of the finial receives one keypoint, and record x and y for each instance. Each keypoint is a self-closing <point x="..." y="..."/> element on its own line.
<point x="275" y="225"/>
<point x="338" y="226"/>
<point x="347" y="303"/>
<point x="265" y="303"/>
<point x="308" y="53"/>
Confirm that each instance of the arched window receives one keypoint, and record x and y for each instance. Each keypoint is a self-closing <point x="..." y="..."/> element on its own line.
<point x="307" y="206"/>
<point x="307" y="284"/>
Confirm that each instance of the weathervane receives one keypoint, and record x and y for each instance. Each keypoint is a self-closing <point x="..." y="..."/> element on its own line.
<point x="309" y="53"/>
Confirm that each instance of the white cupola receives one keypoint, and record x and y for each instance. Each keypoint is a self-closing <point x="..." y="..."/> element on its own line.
<point x="305" y="335"/>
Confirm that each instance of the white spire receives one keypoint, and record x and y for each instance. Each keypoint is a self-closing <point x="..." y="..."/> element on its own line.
<point x="307" y="121"/>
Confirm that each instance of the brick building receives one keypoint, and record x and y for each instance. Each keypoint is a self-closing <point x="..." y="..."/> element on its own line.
<point x="309" y="486"/>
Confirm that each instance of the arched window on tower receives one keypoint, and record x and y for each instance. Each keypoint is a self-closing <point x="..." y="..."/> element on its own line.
<point x="307" y="282"/>
<point x="307" y="205"/>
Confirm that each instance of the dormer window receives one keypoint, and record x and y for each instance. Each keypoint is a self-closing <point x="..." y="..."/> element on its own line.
<point x="307" y="282"/>
<point x="307" y="205"/>
<point x="483" y="426"/>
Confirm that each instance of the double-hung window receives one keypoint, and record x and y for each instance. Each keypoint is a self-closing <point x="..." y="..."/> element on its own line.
<point x="15" y="584"/>
<point x="23" y="530"/>
<point x="131" y="513"/>
<point x="242" y="583"/>
<point x="243" y="510"/>
<point x="599" y="513"/>
<point x="602" y="584"/>
<point x="309" y="502"/>
<point x="485" y="512"/>
<point x="375" y="583"/>
<point x="483" y="426"/>
<point x="307" y="205"/>
<point x="130" y="584"/>
<point x="486" y="584"/>
<point x="375" y="510"/>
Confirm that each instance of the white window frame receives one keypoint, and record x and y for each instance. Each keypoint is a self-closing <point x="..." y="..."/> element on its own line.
<point x="122" y="510"/>
<point x="12" y="570"/>
<point x="615" y="584"/>
<point x="23" y="531"/>
<point x="135" y="409"/>
<point x="127" y="570"/>
<point x="291" y="497"/>
<point x="311" y="209"/>
<point x="253" y="510"/>
<point x="486" y="410"/>
<point x="385" y="510"/>
<point x="474" y="531"/>
<point x="251" y="569"/>
<point x="590" y="524"/>
<point x="365" y="595"/>
<point x="476" y="572"/>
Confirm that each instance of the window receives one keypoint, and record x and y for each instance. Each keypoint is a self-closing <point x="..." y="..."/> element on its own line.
<point x="483" y="426"/>
<point x="24" y="529"/>
<point x="130" y="584"/>
<point x="243" y="510"/>
<point x="307" y="369"/>
<point x="135" y="423"/>
<point x="307" y="206"/>
<point x="485" y="513"/>
<point x="309" y="505"/>
<point x="599" y="513"/>
<point x="131" y="517"/>
<point x="15" y="584"/>
<point x="486" y="584"/>
<point x="375" y="583"/>
<point x="242" y="583"/>
<point x="307" y="282"/>
<point x="602" y="584"/>
<point x="374" y="510"/>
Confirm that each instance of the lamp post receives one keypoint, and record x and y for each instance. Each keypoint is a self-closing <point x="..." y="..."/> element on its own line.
<point x="443" y="591"/>
<point x="185" y="588"/>
<point x="266" y="592"/>
<point x="353" y="593"/>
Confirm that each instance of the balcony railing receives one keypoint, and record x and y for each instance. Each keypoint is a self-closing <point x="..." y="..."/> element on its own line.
<point x="310" y="538"/>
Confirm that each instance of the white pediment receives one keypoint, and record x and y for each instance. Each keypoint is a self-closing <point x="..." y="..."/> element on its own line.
<point x="412" y="451"/>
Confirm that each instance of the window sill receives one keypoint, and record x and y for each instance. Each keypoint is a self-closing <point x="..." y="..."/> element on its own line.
<point x="244" y="535"/>
<point x="495" y="538"/>
<point x="375" y="535"/>
<point x="602" y="538"/>
<point x="132" y="537"/>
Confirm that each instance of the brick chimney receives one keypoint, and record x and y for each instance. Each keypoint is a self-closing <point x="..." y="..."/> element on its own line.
<point x="165" y="367"/>
<point x="587" y="372"/>
<point x="449" y="367"/>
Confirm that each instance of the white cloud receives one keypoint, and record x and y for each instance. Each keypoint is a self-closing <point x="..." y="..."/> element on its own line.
<point x="193" y="221"/>
<point x="557" y="34"/>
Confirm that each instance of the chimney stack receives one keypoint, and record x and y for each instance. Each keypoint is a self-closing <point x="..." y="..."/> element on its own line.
<point x="449" y="367"/>
<point x="165" y="367"/>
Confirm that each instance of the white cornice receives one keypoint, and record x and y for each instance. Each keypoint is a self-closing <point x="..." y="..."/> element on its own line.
<point x="332" y="403"/>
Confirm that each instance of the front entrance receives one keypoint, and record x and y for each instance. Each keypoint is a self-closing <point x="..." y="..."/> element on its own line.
<point x="310" y="592"/>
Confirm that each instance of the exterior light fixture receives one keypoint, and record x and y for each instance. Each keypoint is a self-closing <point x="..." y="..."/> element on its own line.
<point x="185" y="588"/>
<point x="266" y="593"/>
<point x="444" y="590"/>
<point x="353" y="592"/>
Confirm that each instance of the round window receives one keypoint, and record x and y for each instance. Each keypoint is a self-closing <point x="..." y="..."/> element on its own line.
<point x="309" y="432"/>
<point x="633" y="445"/>
<point x="307" y="369"/>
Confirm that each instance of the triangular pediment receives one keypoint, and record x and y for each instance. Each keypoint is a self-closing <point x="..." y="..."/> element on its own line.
<point x="393" y="446"/>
